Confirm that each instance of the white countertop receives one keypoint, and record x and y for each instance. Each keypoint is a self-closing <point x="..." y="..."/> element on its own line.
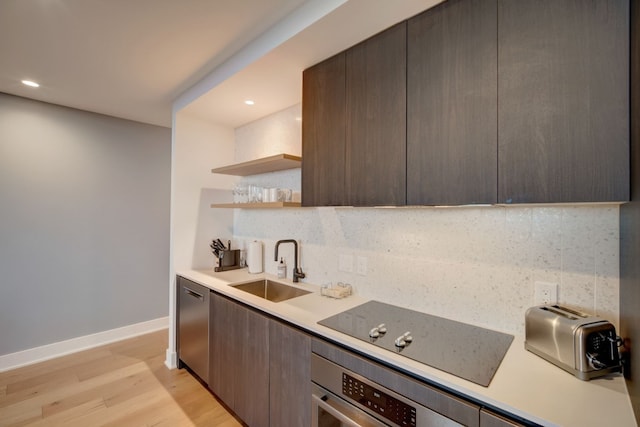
<point x="524" y="385"/>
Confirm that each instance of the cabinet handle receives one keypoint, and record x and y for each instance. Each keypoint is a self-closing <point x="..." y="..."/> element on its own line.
<point x="193" y="294"/>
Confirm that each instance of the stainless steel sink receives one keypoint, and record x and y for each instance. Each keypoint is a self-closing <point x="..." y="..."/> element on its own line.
<point x="272" y="291"/>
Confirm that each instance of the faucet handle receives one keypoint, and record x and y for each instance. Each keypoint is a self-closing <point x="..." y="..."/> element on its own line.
<point x="298" y="274"/>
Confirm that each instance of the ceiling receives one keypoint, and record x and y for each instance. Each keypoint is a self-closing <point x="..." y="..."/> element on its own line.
<point x="134" y="58"/>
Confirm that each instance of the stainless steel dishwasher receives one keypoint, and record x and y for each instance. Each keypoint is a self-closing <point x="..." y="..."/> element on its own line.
<point x="193" y="327"/>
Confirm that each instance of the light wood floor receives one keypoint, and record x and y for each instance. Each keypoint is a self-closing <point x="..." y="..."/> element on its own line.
<point x="120" y="384"/>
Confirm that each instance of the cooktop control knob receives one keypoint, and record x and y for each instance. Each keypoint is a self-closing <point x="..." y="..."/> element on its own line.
<point x="381" y="329"/>
<point x="403" y="340"/>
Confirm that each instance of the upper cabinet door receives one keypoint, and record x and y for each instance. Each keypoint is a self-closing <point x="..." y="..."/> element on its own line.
<point x="563" y="101"/>
<point x="376" y="119"/>
<point x="452" y="104"/>
<point x="323" y="133"/>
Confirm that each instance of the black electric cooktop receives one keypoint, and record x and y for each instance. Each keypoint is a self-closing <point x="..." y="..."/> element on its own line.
<point x="464" y="350"/>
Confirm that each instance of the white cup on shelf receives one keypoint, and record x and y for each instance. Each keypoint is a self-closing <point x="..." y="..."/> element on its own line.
<point x="273" y="194"/>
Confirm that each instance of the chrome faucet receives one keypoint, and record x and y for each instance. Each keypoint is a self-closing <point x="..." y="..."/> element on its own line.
<point x="297" y="272"/>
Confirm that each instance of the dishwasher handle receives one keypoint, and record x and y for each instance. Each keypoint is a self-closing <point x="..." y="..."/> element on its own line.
<point x="193" y="293"/>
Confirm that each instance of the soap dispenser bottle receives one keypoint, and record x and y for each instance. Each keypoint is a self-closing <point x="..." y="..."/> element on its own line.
<point x="282" y="269"/>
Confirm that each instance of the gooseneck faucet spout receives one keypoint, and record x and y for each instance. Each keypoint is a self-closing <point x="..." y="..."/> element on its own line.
<point x="297" y="271"/>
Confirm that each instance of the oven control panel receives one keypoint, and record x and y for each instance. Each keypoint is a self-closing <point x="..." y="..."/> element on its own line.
<point x="387" y="406"/>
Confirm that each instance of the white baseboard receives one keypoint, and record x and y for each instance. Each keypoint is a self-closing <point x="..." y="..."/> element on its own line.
<point x="50" y="351"/>
<point x="171" y="360"/>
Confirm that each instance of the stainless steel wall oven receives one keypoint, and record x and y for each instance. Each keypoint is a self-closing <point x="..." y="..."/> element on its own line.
<point x="341" y="397"/>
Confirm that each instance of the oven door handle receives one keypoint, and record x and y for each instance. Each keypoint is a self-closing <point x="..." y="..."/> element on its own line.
<point x="323" y="402"/>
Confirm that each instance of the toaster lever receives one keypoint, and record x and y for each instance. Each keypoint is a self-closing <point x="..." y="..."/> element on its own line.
<point x="594" y="362"/>
<point x="617" y="341"/>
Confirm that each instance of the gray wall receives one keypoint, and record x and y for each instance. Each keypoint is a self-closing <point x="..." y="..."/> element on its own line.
<point x="84" y="223"/>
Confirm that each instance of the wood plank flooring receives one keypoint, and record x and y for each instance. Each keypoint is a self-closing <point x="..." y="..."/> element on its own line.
<point x="120" y="384"/>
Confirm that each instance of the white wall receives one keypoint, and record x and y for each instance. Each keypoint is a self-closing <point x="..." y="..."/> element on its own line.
<point x="473" y="264"/>
<point x="277" y="133"/>
<point x="84" y="223"/>
<point x="197" y="147"/>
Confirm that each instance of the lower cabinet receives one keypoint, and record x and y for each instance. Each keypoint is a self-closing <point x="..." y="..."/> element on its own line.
<point x="290" y="376"/>
<point x="239" y="359"/>
<point x="259" y="367"/>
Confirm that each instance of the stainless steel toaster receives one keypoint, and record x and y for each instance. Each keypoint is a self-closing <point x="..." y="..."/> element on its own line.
<point x="584" y="345"/>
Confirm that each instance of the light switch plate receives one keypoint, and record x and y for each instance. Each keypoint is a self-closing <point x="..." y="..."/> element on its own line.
<point x="345" y="263"/>
<point x="361" y="267"/>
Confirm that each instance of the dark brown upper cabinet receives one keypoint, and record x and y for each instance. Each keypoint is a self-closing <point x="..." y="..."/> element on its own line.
<point x="354" y="127"/>
<point x="474" y="102"/>
<point x="324" y="133"/>
<point x="563" y="101"/>
<point x="376" y="119"/>
<point x="452" y="105"/>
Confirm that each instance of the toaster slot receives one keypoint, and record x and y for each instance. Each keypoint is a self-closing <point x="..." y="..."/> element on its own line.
<point x="574" y="312"/>
<point x="564" y="312"/>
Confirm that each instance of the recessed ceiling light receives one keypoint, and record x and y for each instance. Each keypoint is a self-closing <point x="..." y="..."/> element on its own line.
<point x="249" y="102"/>
<point x="30" y="83"/>
<point x="299" y="119"/>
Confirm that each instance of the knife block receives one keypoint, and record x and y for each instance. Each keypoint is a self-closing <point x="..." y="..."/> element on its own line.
<point x="227" y="260"/>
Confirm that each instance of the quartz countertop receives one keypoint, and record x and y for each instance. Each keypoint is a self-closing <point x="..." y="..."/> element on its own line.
<point x="524" y="384"/>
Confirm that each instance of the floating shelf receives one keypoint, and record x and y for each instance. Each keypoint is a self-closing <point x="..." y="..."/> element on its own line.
<point x="268" y="205"/>
<point x="278" y="162"/>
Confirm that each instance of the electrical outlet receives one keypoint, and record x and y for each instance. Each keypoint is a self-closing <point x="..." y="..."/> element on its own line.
<point x="361" y="267"/>
<point x="545" y="293"/>
<point x="345" y="263"/>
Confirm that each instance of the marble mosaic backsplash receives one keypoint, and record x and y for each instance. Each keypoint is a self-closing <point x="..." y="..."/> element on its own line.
<point x="476" y="265"/>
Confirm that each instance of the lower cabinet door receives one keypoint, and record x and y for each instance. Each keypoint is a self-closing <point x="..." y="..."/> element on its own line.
<point x="290" y="376"/>
<point x="252" y="374"/>
<point x="221" y="356"/>
<point x="239" y="359"/>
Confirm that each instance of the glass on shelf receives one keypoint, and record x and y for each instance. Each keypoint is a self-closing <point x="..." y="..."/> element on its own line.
<point x="255" y="194"/>
<point x="285" y="194"/>
<point x="251" y="193"/>
<point x="240" y="193"/>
